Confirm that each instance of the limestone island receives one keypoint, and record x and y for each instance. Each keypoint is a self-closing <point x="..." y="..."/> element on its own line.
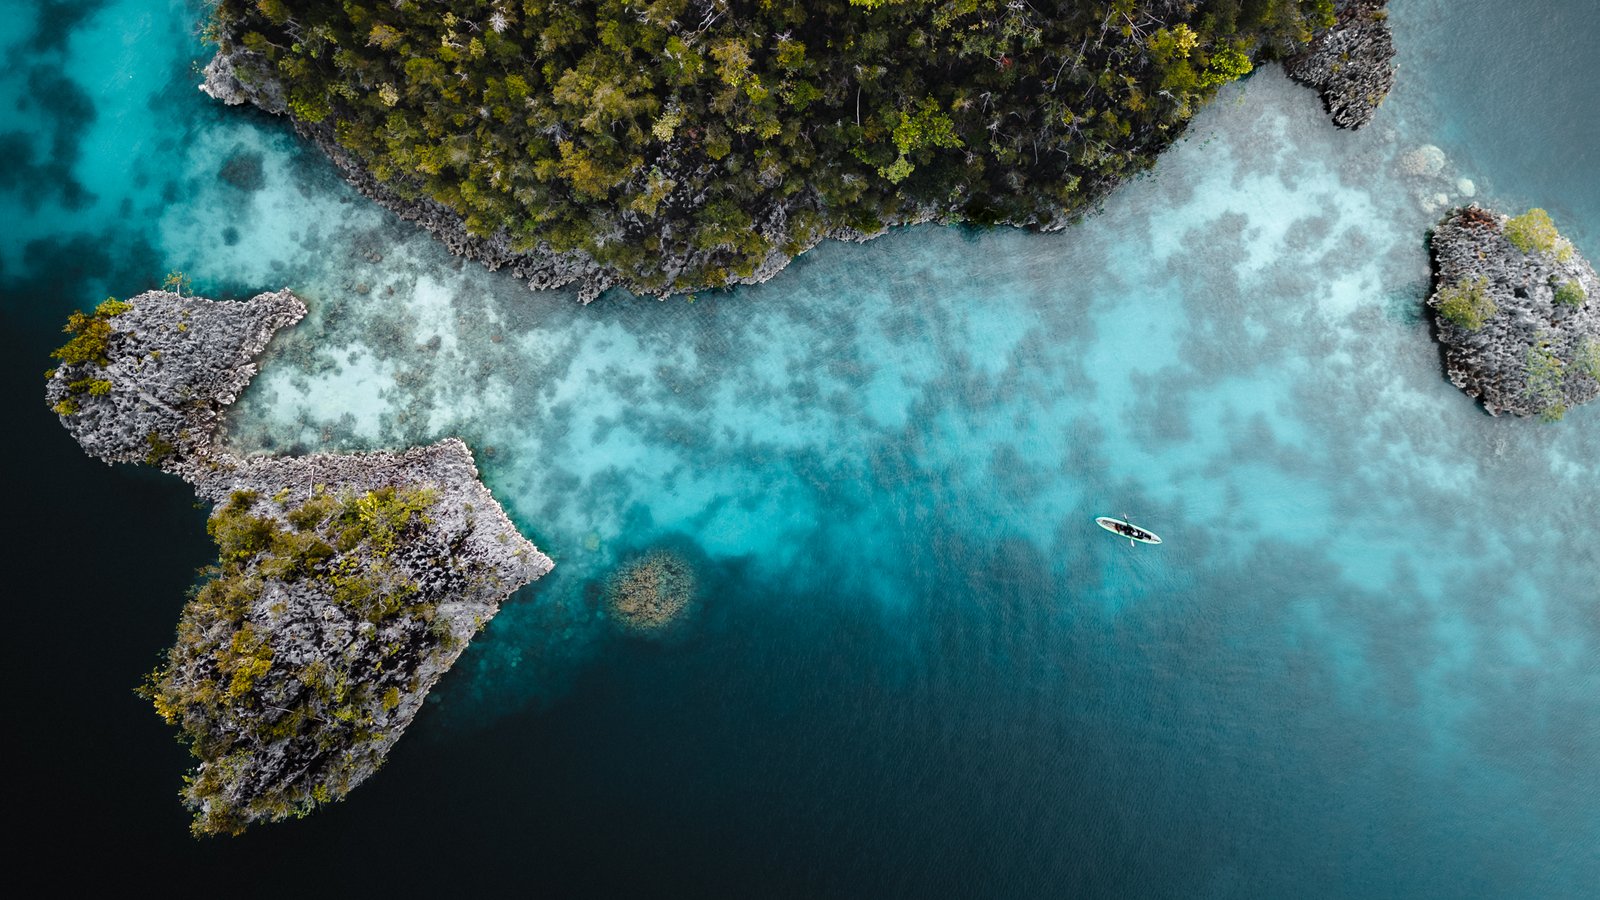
<point x="1516" y="309"/>
<point x="345" y="585"/>
<point x="685" y="144"/>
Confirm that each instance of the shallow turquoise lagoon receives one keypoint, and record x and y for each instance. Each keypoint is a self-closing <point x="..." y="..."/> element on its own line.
<point x="1363" y="664"/>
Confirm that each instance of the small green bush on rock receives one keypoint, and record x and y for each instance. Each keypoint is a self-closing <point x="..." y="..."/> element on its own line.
<point x="1570" y="293"/>
<point x="1587" y="359"/>
<point x="1467" y="302"/>
<point x="1545" y="379"/>
<point x="91" y="334"/>
<point x="1533" y="231"/>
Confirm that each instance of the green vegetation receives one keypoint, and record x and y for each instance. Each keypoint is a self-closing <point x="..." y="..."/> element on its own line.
<point x="160" y="448"/>
<point x="91" y="334"/>
<point x="1587" y="359"/>
<point x="1545" y="382"/>
<point x="94" y="387"/>
<point x="321" y="572"/>
<point x="661" y="138"/>
<point x="1467" y="302"/>
<point x="178" y="283"/>
<point x="1533" y="231"/>
<point x="1570" y="293"/>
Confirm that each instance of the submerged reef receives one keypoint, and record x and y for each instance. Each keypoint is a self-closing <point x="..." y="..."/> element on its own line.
<point x="1350" y="64"/>
<point x="696" y="143"/>
<point x="1517" y="311"/>
<point x="651" y="593"/>
<point x="345" y="585"/>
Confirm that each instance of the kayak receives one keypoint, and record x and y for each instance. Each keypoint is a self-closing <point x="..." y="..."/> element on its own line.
<point x="1127" y="529"/>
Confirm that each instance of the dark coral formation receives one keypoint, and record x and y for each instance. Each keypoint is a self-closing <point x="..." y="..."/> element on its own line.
<point x="651" y="593"/>
<point x="1518" y="312"/>
<point x="1350" y="64"/>
<point x="346" y="585"/>
<point x="244" y="170"/>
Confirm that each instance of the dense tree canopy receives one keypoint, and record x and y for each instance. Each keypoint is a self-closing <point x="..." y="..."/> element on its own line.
<point x="680" y="141"/>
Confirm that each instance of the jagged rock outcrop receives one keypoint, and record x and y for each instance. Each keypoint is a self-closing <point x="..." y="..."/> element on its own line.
<point x="1351" y="64"/>
<point x="1518" y="312"/>
<point x="155" y="387"/>
<point x="346" y="585"/>
<point x="241" y="76"/>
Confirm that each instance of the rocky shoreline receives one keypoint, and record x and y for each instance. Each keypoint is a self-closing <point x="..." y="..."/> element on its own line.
<point x="1351" y="64"/>
<point x="237" y="76"/>
<point x="346" y="585"/>
<point x="1518" y="312"/>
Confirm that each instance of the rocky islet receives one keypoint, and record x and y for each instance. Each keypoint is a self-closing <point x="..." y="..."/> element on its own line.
<point x="346" y="585"/>
<point x="1514" y="303"/>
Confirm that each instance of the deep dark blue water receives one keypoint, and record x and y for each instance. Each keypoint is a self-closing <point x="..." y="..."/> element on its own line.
<point x="1363" y="664"/>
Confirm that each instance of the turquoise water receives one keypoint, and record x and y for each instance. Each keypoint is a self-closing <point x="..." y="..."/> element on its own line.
<point x="1363" y="664"/>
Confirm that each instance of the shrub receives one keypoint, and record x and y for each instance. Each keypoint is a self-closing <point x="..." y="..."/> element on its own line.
<point x="1587" y="359"/>
<point x="1545" y="382"/>
<point x="1467" y="302"/>
<point x="160" y="448"/>
<point x="1226" y="66"/>
<point x="1532" y="231"/>
<point x="94" y="387"/>
<point x="1570" y="293"/>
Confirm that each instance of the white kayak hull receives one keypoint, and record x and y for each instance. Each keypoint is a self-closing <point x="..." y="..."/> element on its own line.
<point x="1127" y="530"/>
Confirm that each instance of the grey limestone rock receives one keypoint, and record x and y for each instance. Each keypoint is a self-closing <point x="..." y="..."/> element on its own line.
<point x="348" y="645"/>
<point x="238" y="76"/>
<point x="1537" y="349"/>
<point x="1351" y="64"/>
<point x="174" y="364"/>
